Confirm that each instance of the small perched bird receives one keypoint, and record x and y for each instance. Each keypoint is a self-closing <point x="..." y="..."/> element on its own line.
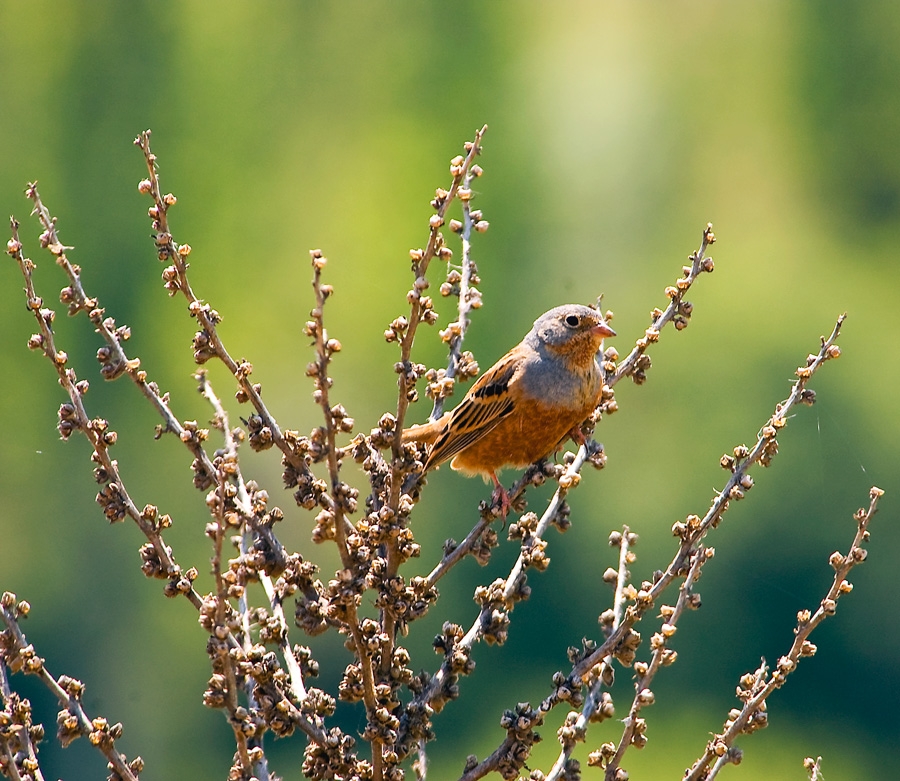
<point x="527" y="404"/>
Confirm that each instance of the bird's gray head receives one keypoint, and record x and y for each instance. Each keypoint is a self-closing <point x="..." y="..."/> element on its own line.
<point x="562" y="324"/>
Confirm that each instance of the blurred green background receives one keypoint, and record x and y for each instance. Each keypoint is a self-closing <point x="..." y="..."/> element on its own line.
<point x="617" y="130"/>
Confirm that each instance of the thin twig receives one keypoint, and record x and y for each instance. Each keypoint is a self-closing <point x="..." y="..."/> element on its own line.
<point x="757" y="687"/>
<point x="468" y="297"/>
<point x="228" y="475"/>
<point x="18" y="738"/>
<point x="691" y="532"/>
<point x="418" y="305"/>
<point x="633" y="734"/>
<point x="18" y="655"/>
<point x="678" y="312"/>
<point x="594" y="704"/>
<point x="207" y="317"/>
<point x="343" y="497"/>
<point x="114" y="498"/>
<point x="570" y="476"/>
<point x="115" y="362"/>
<point x="695" y="528"/>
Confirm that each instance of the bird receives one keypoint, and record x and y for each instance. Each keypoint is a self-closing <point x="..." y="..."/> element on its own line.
<point x="527" y="404"/>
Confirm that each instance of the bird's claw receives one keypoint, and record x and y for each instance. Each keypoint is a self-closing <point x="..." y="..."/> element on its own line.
<point x="577" y="435"/>
<point x="501" y="496"/>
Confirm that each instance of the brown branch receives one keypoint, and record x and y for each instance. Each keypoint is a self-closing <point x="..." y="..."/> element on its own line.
<point x="228" y="471"/>
<point x="19" y="735"/>
<point x="343" y="498"/>
<point x="463" y="282"/>
<point x="73" y="721"/>
<point x="678" y="312"/>
<point x="224" y="663"/>
<point x="596" y="706"/>
<point x="207" y="343"/>
<point x="420" y="304"/>
<point x="695" y="528"/>
<point x="635" y="364"/>
<point x="490" y="763"/>
<point x="333" y="521"/>
<point x="621" y="639"/>
<point x="115" y="362"/>
<point x="633" y="734"/>
<point x="503" y="594"/>
<point x="757" y="687"/>
<point x="114" y="498"/>
<point x="373" y="550"/>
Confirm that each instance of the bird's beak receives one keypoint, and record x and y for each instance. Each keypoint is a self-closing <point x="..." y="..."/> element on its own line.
<point x="602" y="329"/>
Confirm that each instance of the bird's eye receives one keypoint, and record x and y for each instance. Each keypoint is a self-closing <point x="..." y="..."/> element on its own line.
<point x="572" y="321"/>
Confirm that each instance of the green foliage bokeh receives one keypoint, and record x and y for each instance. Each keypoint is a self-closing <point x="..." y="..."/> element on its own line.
<point x="617" y="130"/>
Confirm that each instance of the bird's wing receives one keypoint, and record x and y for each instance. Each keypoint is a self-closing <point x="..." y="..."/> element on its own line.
<point x="487" y="403"/>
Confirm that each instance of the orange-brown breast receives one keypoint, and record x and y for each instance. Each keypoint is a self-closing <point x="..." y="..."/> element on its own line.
<point x="533" y="431"/>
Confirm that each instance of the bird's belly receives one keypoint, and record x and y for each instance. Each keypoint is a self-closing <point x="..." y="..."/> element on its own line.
<point x="520" y="440"/>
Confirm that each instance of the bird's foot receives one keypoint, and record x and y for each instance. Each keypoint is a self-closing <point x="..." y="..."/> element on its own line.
<point x="500" y="496"/>
<point x="577" y="435"/>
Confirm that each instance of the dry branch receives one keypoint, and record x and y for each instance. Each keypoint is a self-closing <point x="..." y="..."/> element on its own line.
<point x="258" y="677"/>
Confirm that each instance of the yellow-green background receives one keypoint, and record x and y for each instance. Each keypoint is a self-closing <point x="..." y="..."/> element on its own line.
<point x="617" y="130"/>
